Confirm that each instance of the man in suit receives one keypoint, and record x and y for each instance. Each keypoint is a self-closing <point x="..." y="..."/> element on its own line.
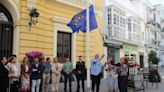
<point x="80" y="73"/>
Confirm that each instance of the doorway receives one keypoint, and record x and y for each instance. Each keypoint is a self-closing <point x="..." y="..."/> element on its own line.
<point x="6" y="32"/>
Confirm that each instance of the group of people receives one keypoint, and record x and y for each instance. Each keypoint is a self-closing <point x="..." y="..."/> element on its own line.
<point x="35" y="76"/>
<point x="31" y="77"/>
<point x="117" y="74"/>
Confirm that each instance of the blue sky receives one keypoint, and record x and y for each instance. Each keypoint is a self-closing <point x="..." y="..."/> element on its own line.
<point x="157" y="2"/>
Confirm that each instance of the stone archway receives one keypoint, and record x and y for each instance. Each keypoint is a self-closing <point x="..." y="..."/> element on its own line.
<point x="14" y="11"/>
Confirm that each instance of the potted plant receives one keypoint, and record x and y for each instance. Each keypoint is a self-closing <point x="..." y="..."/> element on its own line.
<point x="153" y="59"/>
<point x="34" y="54"/>
<point x="153" y="72"/>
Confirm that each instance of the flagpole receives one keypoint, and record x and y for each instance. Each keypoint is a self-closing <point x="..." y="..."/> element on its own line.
<point x="88" y="45"/>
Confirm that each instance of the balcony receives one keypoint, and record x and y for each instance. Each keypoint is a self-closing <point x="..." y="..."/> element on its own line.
<point x="154" y="43"/>
<point x="117" y="32"/>
<point x="136" y="37"/>
<point x="75" y="3"/>
<point x="152" y="22"/>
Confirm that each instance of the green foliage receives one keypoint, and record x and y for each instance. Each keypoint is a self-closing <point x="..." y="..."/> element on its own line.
<point x="153" y="57"/>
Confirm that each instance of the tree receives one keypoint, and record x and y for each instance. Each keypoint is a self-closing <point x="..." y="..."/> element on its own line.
<point x="153" y="59"/>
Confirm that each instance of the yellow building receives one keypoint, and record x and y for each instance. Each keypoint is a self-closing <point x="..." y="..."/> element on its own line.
<point x="50" y="35"/>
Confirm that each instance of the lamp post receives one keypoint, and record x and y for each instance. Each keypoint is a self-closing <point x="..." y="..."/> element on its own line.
<point x="34" y="14"/>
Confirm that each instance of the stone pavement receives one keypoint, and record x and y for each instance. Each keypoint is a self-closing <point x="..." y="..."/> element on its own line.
<point x="103" y="87"/>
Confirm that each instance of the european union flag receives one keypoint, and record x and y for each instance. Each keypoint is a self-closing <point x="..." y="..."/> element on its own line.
<point x="78" y="22"/>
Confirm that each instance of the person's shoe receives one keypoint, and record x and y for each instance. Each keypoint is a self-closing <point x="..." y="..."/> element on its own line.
<point x="77" y="91"/>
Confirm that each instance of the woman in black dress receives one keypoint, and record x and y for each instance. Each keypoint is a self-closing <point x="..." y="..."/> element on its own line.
<point x="4" y="80"/>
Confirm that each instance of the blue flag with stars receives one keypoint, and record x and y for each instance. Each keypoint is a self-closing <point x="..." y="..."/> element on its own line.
<point x="78" y="22"/>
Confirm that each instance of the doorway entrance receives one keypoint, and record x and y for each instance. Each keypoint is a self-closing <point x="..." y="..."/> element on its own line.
<point x="6" y="32"/>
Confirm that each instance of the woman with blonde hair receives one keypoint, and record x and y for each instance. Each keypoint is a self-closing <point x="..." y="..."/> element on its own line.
<point x="56" y="73"/>
<point x="25" y="75"/>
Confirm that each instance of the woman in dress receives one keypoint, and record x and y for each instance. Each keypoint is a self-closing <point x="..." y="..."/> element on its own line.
<point x="111" y="76"/>
<point x="56" y="73"/>
<point x="25" y="75"/>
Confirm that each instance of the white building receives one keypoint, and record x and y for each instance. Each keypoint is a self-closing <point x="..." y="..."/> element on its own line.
<point x="133" y="30"/>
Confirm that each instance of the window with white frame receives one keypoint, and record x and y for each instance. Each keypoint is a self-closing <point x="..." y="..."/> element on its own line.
<point x="109" y="16"/>
<point x="119" y="18"/>
<point x="136" y="28"/>
<point x="116" y="19"/>
<point x="122" y="22"/>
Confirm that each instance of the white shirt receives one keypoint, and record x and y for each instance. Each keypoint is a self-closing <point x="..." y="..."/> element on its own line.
<point x="56" y="67"/>
<point x="26" y="68"/>
<point x="16" y="70"/>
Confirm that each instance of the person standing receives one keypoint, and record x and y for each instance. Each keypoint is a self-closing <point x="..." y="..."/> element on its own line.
<point x="122" y="75"/>
<point x="67" y="68"/>
<point x="112" y="83"/>
<point x="25" y="75"/>
<point x="80" y="73"/>
<point x="14" y="75"/>
<point x="56" y="73"/>
<point x="46" y="75"/>
<point x="4" y="80"/>
<point x="96" y="70"/>
<point x="37" y="71"/>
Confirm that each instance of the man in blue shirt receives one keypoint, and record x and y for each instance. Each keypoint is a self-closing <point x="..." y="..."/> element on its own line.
<point x="67" y="68"/>
<point x="46" y="74"/>
<point x="96" y="70"/>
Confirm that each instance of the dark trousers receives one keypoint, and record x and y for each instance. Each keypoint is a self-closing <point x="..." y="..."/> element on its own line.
<point x="4" y="83"/>
<point x="67" y="77"/>
<point x="82" y="78"/>
<point x="95" y="81"/>
<point x="3" y="88"/>
<point x="14" y="86"/>
<point x="122" y="83"/>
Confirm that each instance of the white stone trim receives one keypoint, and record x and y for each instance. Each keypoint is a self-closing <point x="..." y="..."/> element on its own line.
<point x="60" y="26"/>
<point x="31" y="4"/>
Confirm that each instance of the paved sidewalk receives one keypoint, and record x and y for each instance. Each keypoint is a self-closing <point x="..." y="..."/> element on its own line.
<point x="103" y="87"/>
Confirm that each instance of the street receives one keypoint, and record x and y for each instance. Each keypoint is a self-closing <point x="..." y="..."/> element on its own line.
<point x="103" y="87"/>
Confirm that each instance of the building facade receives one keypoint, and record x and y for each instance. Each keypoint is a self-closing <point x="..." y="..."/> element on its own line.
<point x="136" y="26"/>
<point x="124" y="29"/>
<point x="50" y="34"/>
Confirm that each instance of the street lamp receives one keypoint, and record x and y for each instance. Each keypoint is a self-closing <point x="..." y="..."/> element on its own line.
<point x="33" y="17"/>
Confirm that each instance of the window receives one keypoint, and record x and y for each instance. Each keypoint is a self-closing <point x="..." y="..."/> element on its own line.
<point x="122" y="22"/>
<point x="136" y="28"/>
<point x="109" y="19"/>
<point x="63" y="46"/>
<point x="116" y="19"/>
